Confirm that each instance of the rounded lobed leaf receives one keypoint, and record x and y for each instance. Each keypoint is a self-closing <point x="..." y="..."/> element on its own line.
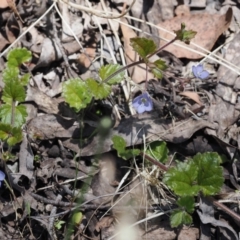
<point x="182" y="179"/>
<point x="10" y="74"/>
<point x="210" y="174"/>
<point x="108" y="70"/>
<point x="143" y="46"/>
<point x="16" y="136"/>
<point x="158" y="150"/>
<point x="76" y="94"/>
<point x="98" y="90"/>
<point x="180" y="217"/>
<point x="13" y="91"/>
<point x="18" y="56"/>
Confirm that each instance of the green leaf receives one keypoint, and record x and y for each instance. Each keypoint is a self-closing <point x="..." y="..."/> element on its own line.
<point x="5" y="130"/>
<point x="13" y="91"/>
<point x="98" y="90"/>
<point x="18" y="56"/>
<point x="157" y="68"/>
<point x="210" y="174"/>
<point x="108" y="70"/>
<point x="6" y="113"/>
<point x="16" y="136"/>
<point x="119" y="143"/>
<point x="184" y="35"/>
<point x="76" y="94"/>
<point x="58" y="224"/>
<point x="24" y="79"/>
<point x="180" y="217"/>
<point x="202" y="173"/>
<point x="187" y="203"/>
<point x="9" y="134"/>
<point x="20" y="115"/>
<point x="143" y="46"/>
<point x="160" y="64"/>
<point x="157" y="73"/>
<point x="10" y="74"/>
<point x="182" y="179"/>
<point x="28" y="207"/>
<point x="158" y="150"/>
<point x="77" y="218"/>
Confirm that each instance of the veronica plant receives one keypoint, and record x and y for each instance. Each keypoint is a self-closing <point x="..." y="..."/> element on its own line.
<point x="12" y="113"/>
<point x="78" y="94"/>
<point x="202" y="174"/>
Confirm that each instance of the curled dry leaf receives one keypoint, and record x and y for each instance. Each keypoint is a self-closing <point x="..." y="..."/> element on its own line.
<point x="208" y="27"/>
<point x="192" y="95"/>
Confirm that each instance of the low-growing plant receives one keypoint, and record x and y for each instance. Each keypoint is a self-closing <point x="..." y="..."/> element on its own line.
<point x="78" y="94"/>
<point x="200" y="175"/>
<point x="12" y="113"/>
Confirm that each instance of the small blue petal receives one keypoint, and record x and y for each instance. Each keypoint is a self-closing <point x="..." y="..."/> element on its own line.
<point x="199" y="72"/>
<point x="141" y="109"/>
<point x="143" y="103"/>
<point x="204" y="74"/>
<point x="2" y="175"/>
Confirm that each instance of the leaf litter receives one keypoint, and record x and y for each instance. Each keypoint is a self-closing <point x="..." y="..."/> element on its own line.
<point x="64" y="165"/>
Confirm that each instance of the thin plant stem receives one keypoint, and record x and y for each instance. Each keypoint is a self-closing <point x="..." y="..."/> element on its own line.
<point x="139" y="61"/>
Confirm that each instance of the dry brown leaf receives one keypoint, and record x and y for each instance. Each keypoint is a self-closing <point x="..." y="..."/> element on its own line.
<point x="192" y="95"/>
<point x="208" y="27"/>
<point x="3" y="42"/>
<point x="12" y="29"/>
<point x="137" y="73"/>
<point x="104" y="223"/>
<point x="86" y="58"/>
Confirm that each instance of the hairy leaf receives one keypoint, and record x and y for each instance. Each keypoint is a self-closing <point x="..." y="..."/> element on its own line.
<point x="180" y="217"/>
<point x="10" y="74"/>
<point x="18" y="56"/>
<point x="24" y="79"/>
<point x="76" y="94"/>
<point x="120" y="145"/>
<point x="158" y="67"/>
<point x="202" y="173"/>
<point x="184" y="35"/>
<point x="187" y="203"/>
<point x="158" y="150"/>
<point x="9" y="134"/>
<point x="98" y="90"/>
<point x="16" y="136"/>
<point x="20" y="115"/>
<point x="6" y="113"/>
<point x="108" y="70"/>
<point x="157" y="72"/>
<point x="182" y="179"/>
<point x="210" y="174"/>
<point x="143" y="46"/>
<point x="13" y="91"/>
<point x="5" y="130"/>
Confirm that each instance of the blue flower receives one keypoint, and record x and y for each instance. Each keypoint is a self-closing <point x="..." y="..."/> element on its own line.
<point x="2" y="177"/>
<point x="199" y="72"/>
<point x="143" y="103"/>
